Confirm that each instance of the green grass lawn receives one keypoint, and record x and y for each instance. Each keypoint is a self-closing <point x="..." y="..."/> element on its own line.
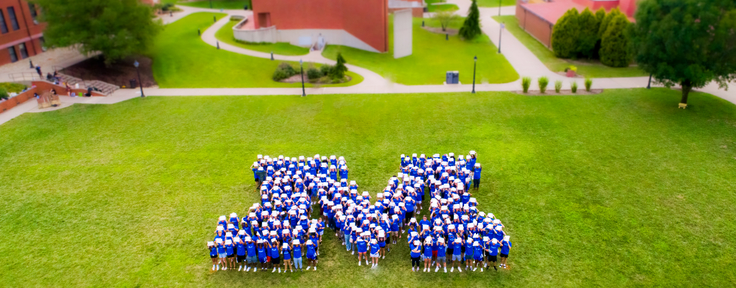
<point x="617" y="189"/>
<point x="585" y="68"/>
<point x="494" y="3"/>
<point x="432" y="57"/>
<point x="218" y="4"/>
<point x="442" y="7"/>
<point x="183" y="60"/>
<point x="225" y="34"/>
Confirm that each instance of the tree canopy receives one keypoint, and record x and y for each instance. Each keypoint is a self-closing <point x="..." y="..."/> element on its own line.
<point x="614" y="44"/>
<point x="686" y="42"/>
<point x="588" y="33"/>
<point x="116" y="28"/>
<point x="471" y="26"/>
<point x="565" y="35"/>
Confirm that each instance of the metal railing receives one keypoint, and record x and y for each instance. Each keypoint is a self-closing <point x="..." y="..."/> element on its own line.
<point x="24" y="76"/>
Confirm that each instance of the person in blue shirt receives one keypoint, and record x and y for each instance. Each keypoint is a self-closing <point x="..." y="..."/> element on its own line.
<point x="252" y="258"/>
<point x="296" y="246"/>
<point x="311" y="255"/>
<point x="375" y="249"/>
<point x="505" y="247"/>
<point x="221" y="253"/>
<point x="230" y="251"/>
<point x="273" y="249"/>
<point x="476" y="176"/>
<point x="493" y="250"/>
<point x="240" y="252"/>
<point x="441" y="254"/>
<point x="263" y="256"/>
<point x="213" y="255"/>
<point x="478" y="256"/>
<point x="427" y="256"/>
<point x="469" y="253"/>
<point x="362" y="248"/>
<point x="416" y="252"/>
<point x="286" y="251"/>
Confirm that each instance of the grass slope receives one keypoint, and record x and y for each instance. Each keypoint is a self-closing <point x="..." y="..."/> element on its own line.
<point x="617" y="189"/>
<point x="225" y="34"/>
<point x="442" y="7"/>
<point x="218" y="4"/>
<point x="183" y="60"/>
<point x="494" y="3"/>
<point x="585" y="68"/>
<point x="432" y="57"/>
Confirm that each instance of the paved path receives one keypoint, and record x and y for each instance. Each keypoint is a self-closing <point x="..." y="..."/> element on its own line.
<point x="521" y="58"/>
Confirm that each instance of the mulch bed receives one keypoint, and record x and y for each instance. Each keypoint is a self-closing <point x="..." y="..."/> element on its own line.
<point x="551" y="92"/>
<point x="439" y="30"/>
<point x="298" y="79"/>
<point x="118" y="73"/>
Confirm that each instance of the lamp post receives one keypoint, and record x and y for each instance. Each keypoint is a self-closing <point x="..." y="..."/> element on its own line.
<point x="500" y="31"/>
<point x="210" y="4"/>
<point x="475" y="61"/>
<point x="499" y="7"/>
<point x="301" y="69"/>
<point x="649" y="85"/>
<point x="136" y="64"/>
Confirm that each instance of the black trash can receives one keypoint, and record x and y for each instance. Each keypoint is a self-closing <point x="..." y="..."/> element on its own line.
<point x="133" y="83"/>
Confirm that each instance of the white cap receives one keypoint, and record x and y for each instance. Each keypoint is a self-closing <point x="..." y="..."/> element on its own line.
<point x="494" y="240"/>
<point x="506" y="238"/>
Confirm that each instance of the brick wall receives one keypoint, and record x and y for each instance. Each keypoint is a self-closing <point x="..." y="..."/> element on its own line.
<point x="28" y="33"/>
<point x="39" y="87"/>
<point x="534" y="25"/>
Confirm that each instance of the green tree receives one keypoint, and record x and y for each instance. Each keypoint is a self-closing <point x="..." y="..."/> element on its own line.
<point x="338" y="72"/>
<point x="615" y="44"/>
<point x="565" y="35"/>
<point x="116" y="28"/>
<point x="445" y="18"/>
<point x="471" y="26"/>
<point x="599" y="15"/>
<point x="587" y="33"/>
<point x="604" y="23"/>
<point x="686" y="42"/>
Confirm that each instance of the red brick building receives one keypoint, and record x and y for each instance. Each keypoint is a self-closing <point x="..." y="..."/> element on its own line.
<point x="21" y="34"/>
<point x="537" y="17"/>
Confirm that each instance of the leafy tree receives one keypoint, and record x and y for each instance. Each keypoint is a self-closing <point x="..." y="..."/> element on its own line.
<point x="599" y="15"/>
<point x="604" y="23"/>
<point x="445" y="18"/>
<point x="686" y="42"/>
<point x="471" y="26"/>
<point x="587" y="33"/>
<point x="565" y="35"/>
<point x="117" y="28"/>
<point x="615" y="44"/>
<point x="338" y="71"/>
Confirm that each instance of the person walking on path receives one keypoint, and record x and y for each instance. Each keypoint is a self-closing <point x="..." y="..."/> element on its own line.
<point x="38" y="70"/>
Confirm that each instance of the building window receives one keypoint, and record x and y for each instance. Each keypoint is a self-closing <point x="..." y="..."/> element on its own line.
<point x="13" y="19"/>
<point x="43" y="44"/>
<point x="34" y="14"/>
<point x="13" y="56"/>
<point x="3" y="25"/>
<point x="23" y="51"/>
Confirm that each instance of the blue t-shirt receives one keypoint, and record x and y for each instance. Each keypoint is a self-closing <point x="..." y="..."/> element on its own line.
<point x="506" y="246"/>
<point x="287" y="253"/>
<point x="311" y="251"/>
<point x="251" y="249"/>
<point x="468" y="249"/>
<point x="476" y="173"/>
<point x="241" y="249"/>
<point x="274" y="252"/>
<point x="362" y="245"/>
<point x="262" y="253"/>
<point x="441" y="250"/>
<point x="494" y="249"/>
<point x="427" y="250"/>
<point x="213" y="251"/>
<point x="375" y="248"/>
<point x="478" y="252"/>
<point x="297" y="251"/>
<point x="415" y="254"/>
<point x="457" y="248"/>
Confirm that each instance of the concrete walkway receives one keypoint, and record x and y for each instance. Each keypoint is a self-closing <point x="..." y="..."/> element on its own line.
<point x="521" y="58"/>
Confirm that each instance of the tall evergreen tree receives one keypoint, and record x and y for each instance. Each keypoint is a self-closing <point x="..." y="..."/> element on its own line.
<point x="686" y="42"/>
<point x="116" y="28"/>
<point x="614" y="44"/>
<point x="471" y="26"/>
<point x="604" y="23"/>
<point x="338" y="72"/>
<point x="565" y="35"/>
<point x="588" y="33"/>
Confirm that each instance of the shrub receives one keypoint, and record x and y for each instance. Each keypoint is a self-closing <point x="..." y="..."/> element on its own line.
<point x="615" y="44"/>
<point x="166" y="7"/>
<point x="279" y="75"/>
<point x="543" y="81"/>
<point x="565" y="35"/>
<point x="525" y="83"/>
<point x="3" y="93"/>
<point x="606" y="20"/>
<point x="13" y="87"/>
<point x="283" y="71"/>
<point x="588" y="33"/>
<point x="325" y="69"/>
<point x="574" y="87"/>
<point x="338" y="72"/>
<point x="471" y="26"/>
<point x="313" y="73"/>
<point x="588" y="84"/>
<point x="558" y="86"/>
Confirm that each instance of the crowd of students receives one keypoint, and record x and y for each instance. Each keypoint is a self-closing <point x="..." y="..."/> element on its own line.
<point x="279" y="227"/>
